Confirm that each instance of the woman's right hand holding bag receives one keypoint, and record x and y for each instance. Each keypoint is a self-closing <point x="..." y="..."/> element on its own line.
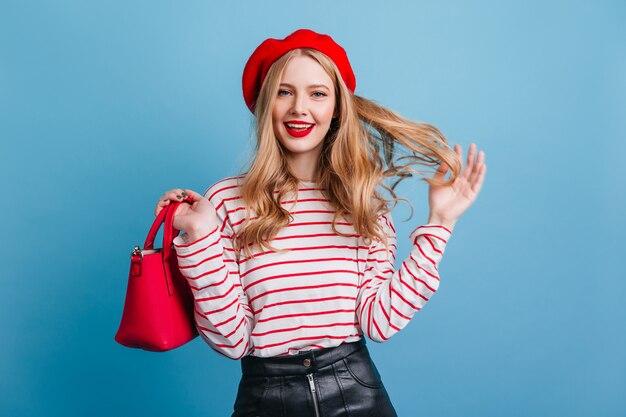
<point x="197" y="217"/>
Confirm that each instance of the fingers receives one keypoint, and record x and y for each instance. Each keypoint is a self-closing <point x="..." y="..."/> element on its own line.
<point x="177" y="194"/>
<point x="459" y="152"/>
<point x="441" y="171"/>
<point x="477" y="166"/>
<point x="194" y="195"/>
<point x="467" y="172"/>
<point x="443" y="167"/>
<point x="479" y="179"/>
<point x="478" y="173"/>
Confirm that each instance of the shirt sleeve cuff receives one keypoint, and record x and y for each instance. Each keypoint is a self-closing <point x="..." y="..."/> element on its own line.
<point x="183" y="245"/>
<point x="437" y="230"/>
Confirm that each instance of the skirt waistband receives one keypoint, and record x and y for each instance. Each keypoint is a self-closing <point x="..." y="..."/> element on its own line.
<point x="300" y="364"/>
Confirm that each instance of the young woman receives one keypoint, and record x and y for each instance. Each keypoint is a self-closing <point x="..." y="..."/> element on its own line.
<point x="291" y="263"/>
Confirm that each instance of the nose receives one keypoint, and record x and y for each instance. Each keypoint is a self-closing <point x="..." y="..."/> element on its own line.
<point x="298" y="105"/>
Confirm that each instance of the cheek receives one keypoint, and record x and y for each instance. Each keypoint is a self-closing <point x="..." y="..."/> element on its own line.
<point x="275" y="115"/>
<point x="326" y="114"/>
<point x="277" y="118"/>
<point x="279" y="109"/>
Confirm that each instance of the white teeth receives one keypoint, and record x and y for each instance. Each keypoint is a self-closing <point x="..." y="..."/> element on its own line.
<point x="299" y="126"/>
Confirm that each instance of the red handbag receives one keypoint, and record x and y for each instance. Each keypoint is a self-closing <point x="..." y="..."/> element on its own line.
<point x="158" y="311"/>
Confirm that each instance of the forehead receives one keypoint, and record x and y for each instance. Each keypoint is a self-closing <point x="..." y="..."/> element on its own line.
<point x="303" y="70"/>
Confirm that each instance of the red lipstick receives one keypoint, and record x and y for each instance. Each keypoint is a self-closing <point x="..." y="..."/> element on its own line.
<point x="301" y="131"/>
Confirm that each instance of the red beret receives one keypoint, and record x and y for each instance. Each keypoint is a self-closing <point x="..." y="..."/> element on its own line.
<point x="271" y="49"/>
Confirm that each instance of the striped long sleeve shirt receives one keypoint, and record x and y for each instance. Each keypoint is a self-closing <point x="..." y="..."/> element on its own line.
<point x="318" y="290"/>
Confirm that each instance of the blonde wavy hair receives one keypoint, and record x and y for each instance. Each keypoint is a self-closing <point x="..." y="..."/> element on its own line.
<point x="350" y="166"/>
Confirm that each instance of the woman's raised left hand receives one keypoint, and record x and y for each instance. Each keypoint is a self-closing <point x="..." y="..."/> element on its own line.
<point x="448" y="202"/>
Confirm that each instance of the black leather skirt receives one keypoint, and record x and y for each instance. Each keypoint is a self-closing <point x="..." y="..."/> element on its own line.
<point x="330" y="382"/>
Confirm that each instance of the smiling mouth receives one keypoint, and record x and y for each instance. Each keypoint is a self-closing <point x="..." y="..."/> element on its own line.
<point x="299" y="127"/>
<point x="299" y="130"/>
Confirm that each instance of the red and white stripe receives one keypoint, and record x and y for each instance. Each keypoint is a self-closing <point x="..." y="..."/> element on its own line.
<point x="317" y="290"/>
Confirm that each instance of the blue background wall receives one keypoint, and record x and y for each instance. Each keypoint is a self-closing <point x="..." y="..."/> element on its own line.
<point x="105" y="105"/>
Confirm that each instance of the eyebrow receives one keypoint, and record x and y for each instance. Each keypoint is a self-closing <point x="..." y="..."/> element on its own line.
<point x="310" y="86"/>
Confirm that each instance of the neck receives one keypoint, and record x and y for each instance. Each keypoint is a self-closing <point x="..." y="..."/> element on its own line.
<point x="305" y="172"/>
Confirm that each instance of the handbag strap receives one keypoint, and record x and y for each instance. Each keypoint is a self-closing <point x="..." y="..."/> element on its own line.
<point x="169" y="232"/>
<point x="161" y="217"/>
<point x="166" y="215"/>
<point x="149" y="244"/>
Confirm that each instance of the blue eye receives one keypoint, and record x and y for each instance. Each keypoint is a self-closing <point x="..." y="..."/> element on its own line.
<point x="319" y="94"/>
<point x="282" y="92"/>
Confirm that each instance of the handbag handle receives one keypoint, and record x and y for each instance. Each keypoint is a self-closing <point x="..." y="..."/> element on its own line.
<point x="161" y="217"/>
<point x="166" y="215"/>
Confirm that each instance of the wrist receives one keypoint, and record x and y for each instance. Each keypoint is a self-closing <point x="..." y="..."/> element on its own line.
<point x="198" y="233"/>
<point x="199" y="230"/>
<point x="447" y="223"/>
